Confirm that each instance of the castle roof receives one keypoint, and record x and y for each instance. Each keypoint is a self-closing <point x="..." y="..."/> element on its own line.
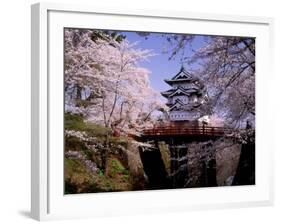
<point x="181" y="76"/>
<point x="177" y="105"/>
<point x="179" y="91"/>
<point x="167" y="93"/>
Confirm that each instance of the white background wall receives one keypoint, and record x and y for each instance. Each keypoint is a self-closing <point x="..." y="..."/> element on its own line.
<point x="15" y="111"/>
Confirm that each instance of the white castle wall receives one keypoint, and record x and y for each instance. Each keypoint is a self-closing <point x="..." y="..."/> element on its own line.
<point x="183" y="115"/>
<point x="184" y="85"/>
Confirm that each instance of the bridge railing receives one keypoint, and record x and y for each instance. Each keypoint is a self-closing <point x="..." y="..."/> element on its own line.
<point x="192" y="130"/>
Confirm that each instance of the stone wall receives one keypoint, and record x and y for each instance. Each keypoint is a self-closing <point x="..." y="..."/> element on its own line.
<point x="187" y="164"/>
<point x="208" y="163"/>
<point x="227" y="159"/>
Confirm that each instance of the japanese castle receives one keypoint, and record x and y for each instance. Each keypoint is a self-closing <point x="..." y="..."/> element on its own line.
<point x="185" y="96"/>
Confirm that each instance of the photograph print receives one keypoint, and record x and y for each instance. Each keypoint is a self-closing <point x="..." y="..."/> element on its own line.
<point x="156" y="111"/>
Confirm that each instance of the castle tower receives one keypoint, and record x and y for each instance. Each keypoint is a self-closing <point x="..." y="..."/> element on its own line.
<point x="186" y="95"/>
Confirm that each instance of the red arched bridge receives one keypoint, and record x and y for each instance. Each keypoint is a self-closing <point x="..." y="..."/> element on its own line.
<point x="192" y="131"/>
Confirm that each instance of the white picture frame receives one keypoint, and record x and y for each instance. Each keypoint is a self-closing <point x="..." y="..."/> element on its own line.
<point x="48" y="201"/>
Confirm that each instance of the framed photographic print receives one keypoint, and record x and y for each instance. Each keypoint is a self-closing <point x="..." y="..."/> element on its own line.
<point x="148" y="111"/>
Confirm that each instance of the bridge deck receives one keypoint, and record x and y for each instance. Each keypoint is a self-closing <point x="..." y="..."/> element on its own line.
<point x="186" y="131"/>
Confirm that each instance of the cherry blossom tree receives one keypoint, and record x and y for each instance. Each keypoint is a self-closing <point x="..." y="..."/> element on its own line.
<point x="227" y="67"/>
<point x="104" y="82"/>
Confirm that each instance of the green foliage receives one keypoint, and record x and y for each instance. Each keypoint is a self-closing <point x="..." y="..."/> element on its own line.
<point x="116" y="177"/>
<point x="74" y="122"/>
<point x="116" y="168"/>
<point x="74" y="144"/>
<point x="113" y="177"/>
<point x="97" y="130"/>
<point x="77" y="179"/>
<point x="100" y="173"/>
<point x="118" y="141"/>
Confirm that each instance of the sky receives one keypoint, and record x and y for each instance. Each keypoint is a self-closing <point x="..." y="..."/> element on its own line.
<point x="159" y="65"/>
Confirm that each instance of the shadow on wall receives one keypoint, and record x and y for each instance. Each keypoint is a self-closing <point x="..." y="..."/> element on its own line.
<point x="227" y="163"/>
